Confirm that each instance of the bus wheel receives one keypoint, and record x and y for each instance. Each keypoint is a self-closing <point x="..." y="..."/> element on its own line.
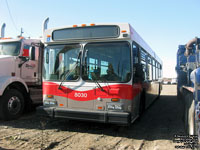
<point x="11" y="105"/>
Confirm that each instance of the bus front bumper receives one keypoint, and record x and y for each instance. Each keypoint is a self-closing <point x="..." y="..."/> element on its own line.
<point x="123" y="118"/>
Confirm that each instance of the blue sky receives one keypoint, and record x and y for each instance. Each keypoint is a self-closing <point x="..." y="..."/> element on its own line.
<point x="163" y="24"/>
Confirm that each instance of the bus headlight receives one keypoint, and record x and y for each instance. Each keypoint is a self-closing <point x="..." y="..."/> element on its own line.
<point x="115" y="106"/>
<point x="50" y="102"/>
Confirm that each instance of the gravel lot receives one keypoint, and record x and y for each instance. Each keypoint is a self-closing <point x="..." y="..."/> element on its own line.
<point x="153" y="131"/>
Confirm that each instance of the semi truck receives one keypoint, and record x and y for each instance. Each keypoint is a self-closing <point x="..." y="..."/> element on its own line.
<point x="20" y="74"/>
<point x="188" y="87"/>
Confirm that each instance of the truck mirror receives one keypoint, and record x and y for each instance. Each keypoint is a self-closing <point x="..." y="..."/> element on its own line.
<point x="32" y="53"/>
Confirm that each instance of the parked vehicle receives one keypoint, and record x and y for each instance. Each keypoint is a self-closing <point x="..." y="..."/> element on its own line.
<point x="166" y="82"/>
<point x="98" y="72"/>
<point x="174" y="81"/>
<point x="188" y="71"/>
<point x="20" y="76"/>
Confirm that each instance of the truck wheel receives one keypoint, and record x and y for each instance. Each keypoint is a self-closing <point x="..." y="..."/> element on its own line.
<point x="11" y="105"/>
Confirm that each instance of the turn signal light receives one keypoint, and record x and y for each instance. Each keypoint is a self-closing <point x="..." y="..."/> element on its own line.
<point x="123" y="31"/>
<point x="115" y="99"/>
<point x="100" y="107"/>
<point x="50" y="96"/>
<point x="48" y="36"/>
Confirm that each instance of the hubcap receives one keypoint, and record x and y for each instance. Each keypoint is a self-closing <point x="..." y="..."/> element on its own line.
<point x="14" y="105"/>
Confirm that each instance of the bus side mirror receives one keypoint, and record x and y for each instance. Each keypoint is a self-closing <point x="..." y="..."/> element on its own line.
<point x="32" y="53"/>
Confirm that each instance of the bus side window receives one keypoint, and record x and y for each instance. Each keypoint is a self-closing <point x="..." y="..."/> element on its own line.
<point x="149" y="72"/>
<point x="144" y="68"/>
<point x="135" y="54"/>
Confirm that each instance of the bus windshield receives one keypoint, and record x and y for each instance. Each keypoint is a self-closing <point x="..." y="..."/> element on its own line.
<point x="107" y="62"/>
<point x="10" y="48"/>
<point x="61" y="59"/>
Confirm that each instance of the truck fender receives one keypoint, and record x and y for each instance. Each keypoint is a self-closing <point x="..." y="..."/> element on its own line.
<point x="5" y="81"/>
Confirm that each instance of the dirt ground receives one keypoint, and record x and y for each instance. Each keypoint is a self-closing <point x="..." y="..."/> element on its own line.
<point x="155" y="130"/>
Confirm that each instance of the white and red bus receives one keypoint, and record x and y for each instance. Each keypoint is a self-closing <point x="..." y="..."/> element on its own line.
<point x="98" y="72"/>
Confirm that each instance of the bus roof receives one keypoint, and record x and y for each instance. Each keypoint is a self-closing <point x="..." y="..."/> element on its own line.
<point x="99" y="32"/>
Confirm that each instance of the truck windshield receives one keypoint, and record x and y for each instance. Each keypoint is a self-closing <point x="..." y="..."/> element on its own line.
<point x="10" y="48"/>
<point x="61" y="59"/>
<point x="107" y="62"/>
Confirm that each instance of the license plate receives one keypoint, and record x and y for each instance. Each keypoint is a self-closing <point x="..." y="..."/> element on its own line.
<point x="114" y="106"/>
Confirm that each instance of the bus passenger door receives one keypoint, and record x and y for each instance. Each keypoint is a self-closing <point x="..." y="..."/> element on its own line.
<point x="149" y="84"/>
<point x="137" y="84"/>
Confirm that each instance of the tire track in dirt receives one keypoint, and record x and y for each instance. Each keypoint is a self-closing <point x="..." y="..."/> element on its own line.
<point x="14" y="132"/>
<point x="154" y="130"/>
<point x="22" y="139"/>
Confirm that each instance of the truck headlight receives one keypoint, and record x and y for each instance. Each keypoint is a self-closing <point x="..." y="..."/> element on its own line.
<point x="115" y="106"/>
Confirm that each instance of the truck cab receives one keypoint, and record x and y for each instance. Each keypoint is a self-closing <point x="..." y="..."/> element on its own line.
<point x="20" y="75"/>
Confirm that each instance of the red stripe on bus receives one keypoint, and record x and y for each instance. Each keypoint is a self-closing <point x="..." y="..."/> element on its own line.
<point x="121" y="91"/>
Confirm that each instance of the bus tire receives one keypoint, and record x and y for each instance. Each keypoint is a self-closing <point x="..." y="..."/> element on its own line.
<point x="11" y="105"/>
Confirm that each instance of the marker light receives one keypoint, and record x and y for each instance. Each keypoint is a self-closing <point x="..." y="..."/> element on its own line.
<point x="61" y="105"/>
<point x="92" y="24"/>
<point x="12" y="74"/>
<point x="75" y="26"/>
<point x="115" y="99"/>
<point x="50" y="96"/>
<point x="123" y="31"/>
<point x="83" y="25"/>
<point x="6" y="38"/>
<point x="48" y="36"/>
<point x="100" y="107"/>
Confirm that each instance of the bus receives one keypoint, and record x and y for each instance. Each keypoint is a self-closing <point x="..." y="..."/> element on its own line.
<point x="98" y="72"/>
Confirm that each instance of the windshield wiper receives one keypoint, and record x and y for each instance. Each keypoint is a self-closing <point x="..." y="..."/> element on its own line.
<point x="85" y="66"/>
<point x="69" y="72"/>
<point x="105" y="82"/>
<point x="99" y="86"/>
